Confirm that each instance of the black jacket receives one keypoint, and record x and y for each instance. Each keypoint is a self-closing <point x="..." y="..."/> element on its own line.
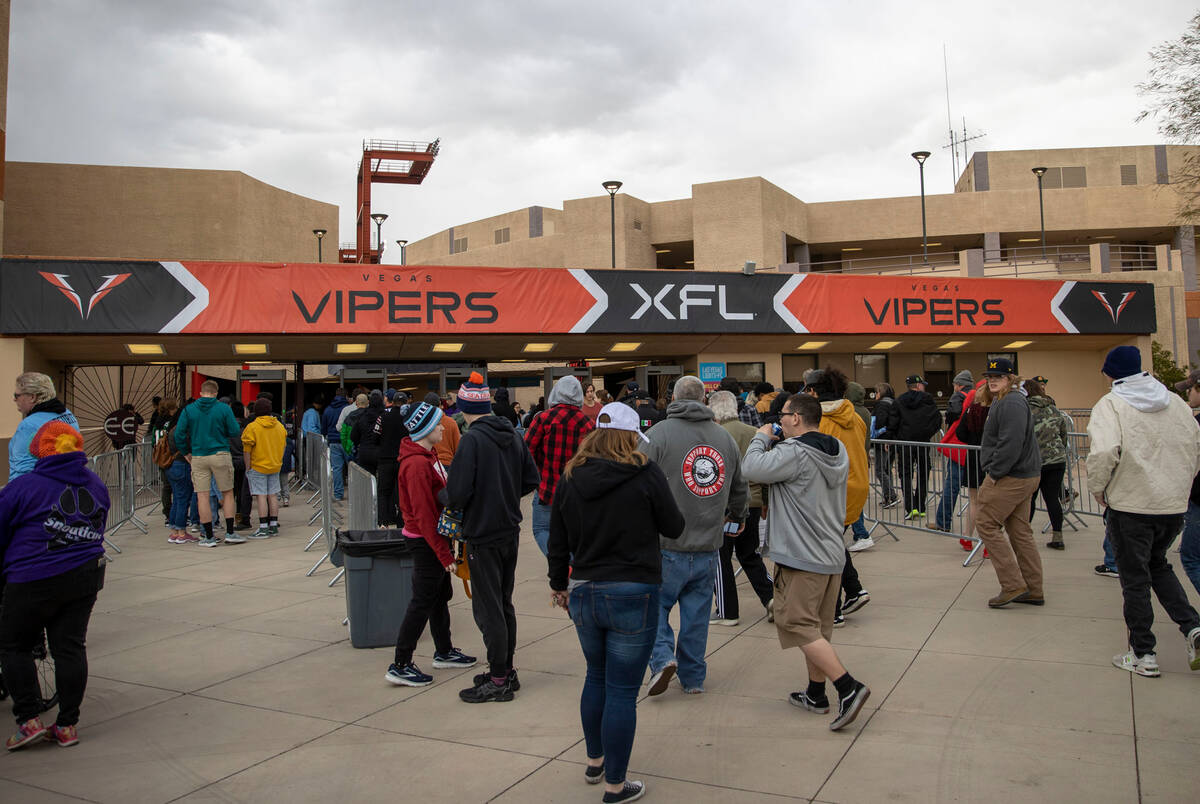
<point x="492" y="471"/>
<point x="954" y="407"/>
<point x="914" y="417"/>
<point x="609" y="515"/>
<point x="883" y="413"/>
<point x="366" y="433"/>
<point x="391" y="432"/>
<point x="505" y="410"/>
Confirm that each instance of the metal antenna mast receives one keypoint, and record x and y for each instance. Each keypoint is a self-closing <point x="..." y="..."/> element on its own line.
<point x="955" y="140"/>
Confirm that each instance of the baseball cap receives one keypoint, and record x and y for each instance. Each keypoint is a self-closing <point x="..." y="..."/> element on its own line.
<point x="620" y="417"/>
<point x="1040" y="378"/>
<point x="1192" y="378"/>
<point x="913" y="379"/>
<point x="998" y="366"/>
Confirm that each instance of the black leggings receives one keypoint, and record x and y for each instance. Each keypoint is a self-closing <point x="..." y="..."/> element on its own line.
<point x="1051" y="489"/>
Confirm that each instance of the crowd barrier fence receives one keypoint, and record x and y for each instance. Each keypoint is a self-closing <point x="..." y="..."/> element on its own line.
<point x="325" y="511"/>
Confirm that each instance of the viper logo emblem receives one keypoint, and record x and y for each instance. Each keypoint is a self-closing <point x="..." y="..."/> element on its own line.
<point x="1125" y="299"/>
<point x="60" y="281"/>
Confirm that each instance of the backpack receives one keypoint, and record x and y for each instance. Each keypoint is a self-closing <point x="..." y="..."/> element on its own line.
<point x="164" y="451"/>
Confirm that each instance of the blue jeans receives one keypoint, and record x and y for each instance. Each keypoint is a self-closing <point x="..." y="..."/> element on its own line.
<point x="194" y="509"/>
<point x="1110" y="555"/>
<point x="945" y="511"/>
<point x="687" y="580"/>
<point x="859" y="528"/>
<point x="179" y="475"/>
<point x="616" y="624"/>
<point x="337" y="466"/>
<point x="1189" y="545"/>
<point x="541" y="526"/>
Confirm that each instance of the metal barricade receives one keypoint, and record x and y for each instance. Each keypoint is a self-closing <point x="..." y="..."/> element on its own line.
<point x="113" y="470"/>
<point x="362" y="509"/>
<point x="325" y="511"/>
<point x="1082" y="503"/>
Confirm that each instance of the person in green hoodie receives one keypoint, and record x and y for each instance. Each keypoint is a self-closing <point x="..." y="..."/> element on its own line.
<point x="202" y="435"/>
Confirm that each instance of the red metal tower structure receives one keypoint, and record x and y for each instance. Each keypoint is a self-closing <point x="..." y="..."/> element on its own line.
<point x="385" y="162"/>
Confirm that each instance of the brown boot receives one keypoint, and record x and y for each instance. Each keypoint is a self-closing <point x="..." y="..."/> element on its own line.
<point x="1030" y="599"/>
<point x="1056" y="542"/>
<point x="1004" y="598"/>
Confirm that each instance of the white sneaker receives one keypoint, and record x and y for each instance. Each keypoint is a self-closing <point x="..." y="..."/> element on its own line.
<point x="1146" y="666"/>
<point x="725" y="621"/>
<point x="1193" y="648"/>
<point x="861" y="544"/>
<point x="771" y="610"/>
<point x="660" y="680"/>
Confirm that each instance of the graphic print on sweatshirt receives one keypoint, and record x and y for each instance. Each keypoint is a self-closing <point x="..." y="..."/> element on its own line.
<point x="704" y="471"/>
<point x="74" y="519"/>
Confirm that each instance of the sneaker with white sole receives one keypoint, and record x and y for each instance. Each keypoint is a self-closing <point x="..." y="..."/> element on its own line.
<point x="838" y="621"/>
<point x="1106" y="572"/>
<point x="1145" y="665"/>
<point x="726" y="621"/>
<point x="660" y="680"/>
<point x="855" y="602"/>
<point x="804" y="701"/>
<point x="233" y="538"/>
<point x="850" y="706"/>
<point x="263" y="532"/>
<point x="631" y="791"/>
<point x="208" y="541"/>
<point x="861" y="544"/>
<point x="408" y="676"/>
<point x="1193" y="648"/>
<point x="452" y="659"/>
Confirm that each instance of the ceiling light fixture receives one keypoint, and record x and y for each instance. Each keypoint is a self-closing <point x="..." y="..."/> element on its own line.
<point x="625" y="346"/>
<point x="447" y="347"/>
<point x="953" y="344"/>
<point x="1017" y="344"/>
<point x="1029" y="240"/>
<point x="351" y="348"/>
<point x="813" y="344"/>
<point x="250" y="349"/>
<point x="540" y="348"/>
<point x="855" y="248"/>
<point x="886" y="345"/>
<point x="145" y="349"/>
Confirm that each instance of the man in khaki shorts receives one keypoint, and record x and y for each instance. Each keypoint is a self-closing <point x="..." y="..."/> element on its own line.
<point x="202" y="435"/>
<point x="807" y="472"/>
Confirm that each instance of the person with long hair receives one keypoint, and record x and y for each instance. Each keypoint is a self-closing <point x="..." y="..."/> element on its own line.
<point x="970" y="431"/>
<point x="610" y="507"/>
<point x="1012" y="469"/>
<point x="1050" y="426"/>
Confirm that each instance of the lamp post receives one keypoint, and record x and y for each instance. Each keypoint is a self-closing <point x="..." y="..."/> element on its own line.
<point x="921" y="156"/>
<point x="612" y="185"/>
<point x="1039" y="172"/>
<point x="379" y="218"/>
<point x="403" y="256"/>
<point x="320" y="233"/>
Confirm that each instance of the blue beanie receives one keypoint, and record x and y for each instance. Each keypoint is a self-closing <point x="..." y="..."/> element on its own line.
<point x="1122" y="362"/>
<point x="474" y="396"/>
<point x="420" y="420"/>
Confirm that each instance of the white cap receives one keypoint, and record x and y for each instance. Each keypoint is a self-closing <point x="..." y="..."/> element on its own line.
<point x="620" y="417"/>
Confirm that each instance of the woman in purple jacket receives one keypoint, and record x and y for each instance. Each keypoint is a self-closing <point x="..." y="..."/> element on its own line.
<point x="52" y="553"/>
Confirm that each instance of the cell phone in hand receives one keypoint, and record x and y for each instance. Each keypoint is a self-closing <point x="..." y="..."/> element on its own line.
<point x="731" y="528"/>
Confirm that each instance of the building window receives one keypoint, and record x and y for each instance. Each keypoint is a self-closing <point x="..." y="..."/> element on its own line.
<point x="502" y="235"/>
<point x="939" y="374"/>
<point x="1057" y="178"/>
<point x="637" y="224"/>
<point x="794" y="367"/>
<point x="870" y="370"/>
<point x="1011" y="356"/>
<point x="747" y="373"/>
<point x="460" y="245"/>
<point x="1128" y="174"/>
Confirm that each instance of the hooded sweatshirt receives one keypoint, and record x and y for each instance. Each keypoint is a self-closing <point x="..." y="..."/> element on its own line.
<point x="20" y="460"/>
<point x="265" y="438"/>
<point x="420" y="477"/>
<point x="1050" y="429"/>
<point x="555" y="434"/>
<point x="858" y="397"/>
<point x="703" y="466"/>
<point x="329" y="420"/>
<point x="1009" y="445"/>
<point x="367" y="433"/>
<point x="914" y="417"/>
<point x="606" y="523"/>
<point x="205" y="427"/>
<point x="492" y="471"/>
<point x="52" y="520"/>
<point x="1145" y="448"/>
<point x="839" y="420"/>
<point x="807" y="499"/>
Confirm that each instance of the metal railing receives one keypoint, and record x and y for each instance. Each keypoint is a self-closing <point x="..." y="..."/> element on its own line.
<point x="323" y="501"/>
<point x="362" y="508"/>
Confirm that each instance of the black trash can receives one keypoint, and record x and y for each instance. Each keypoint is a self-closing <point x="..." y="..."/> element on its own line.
<point x="378" y="584"/>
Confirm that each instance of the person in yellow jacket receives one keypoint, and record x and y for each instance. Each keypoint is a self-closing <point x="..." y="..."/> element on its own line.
<point x="838" y="419"/>
<point x="263" y="442"/>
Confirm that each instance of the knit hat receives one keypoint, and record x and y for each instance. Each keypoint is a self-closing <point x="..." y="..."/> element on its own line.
<point x="391" y="394"/>
<point x="421" y="419"/>
<point x="474" y="397"/>
<point x="262" y="407"/>
<point x="1122" y="362"/>
<point x="55" y="438"/>
<point x="433" y="399"/>
<point x="964" y="377"/>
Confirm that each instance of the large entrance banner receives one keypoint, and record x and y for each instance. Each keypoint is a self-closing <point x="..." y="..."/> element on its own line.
<point x="69" y="296"/>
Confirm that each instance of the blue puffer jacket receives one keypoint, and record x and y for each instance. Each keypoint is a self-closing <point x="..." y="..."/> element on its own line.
<point x="20" y="461"/>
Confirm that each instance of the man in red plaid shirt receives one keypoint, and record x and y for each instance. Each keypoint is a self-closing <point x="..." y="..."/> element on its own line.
<point x="552" y="438"/>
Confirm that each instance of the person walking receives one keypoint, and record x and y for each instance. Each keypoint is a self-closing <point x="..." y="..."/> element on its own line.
<point x="52" y="524"/>
<point x="744" y="545"/>
<point x="591" y="404"/>
<point x="202" y="434"/>
<point x="37" y="403"/>
<point x="1050" y="427"/>
<point x="1012" y="469"/>
<point x="1189" y="542"/>
<point x="885" y="400"/>
<point x="333" y="437"/>
<point x="263" y="443"/>
<point x="391" y="433"/>
<point x="704" y="470"/>
<point x="492" y="471"/>
<point x="552" y="438"/>
<point x="944" y="519"/>
<point x="611" y="506"/>
<point x="856" y="395"/>
<point x="1143" y="457"/>
<point x="915" y="418"/>
<point x="806" y="474"/>
<point x="421" y="477"/>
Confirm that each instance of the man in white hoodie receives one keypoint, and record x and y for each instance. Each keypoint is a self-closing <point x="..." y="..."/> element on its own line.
<point x="1144" y="452"/>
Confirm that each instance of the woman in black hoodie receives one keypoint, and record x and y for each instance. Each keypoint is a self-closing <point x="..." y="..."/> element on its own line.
<point x="609" y="509"/>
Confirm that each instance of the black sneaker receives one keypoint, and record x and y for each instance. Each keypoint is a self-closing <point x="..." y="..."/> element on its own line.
<point x="452" y="659"/>
<point x="593" y="775"/>
<point x="632" y="791"/>
<point x="513" y="681"/>
<point x="838" y="621"/>
<point x="408" y="676"/>
<point x="488" y="692"/>
<point x="802" y="700"/>
<point x="1105" y="572"/>
<point x="892" y="503"/>
<point x="849" y="706"/>
<point x="855" y="602"/>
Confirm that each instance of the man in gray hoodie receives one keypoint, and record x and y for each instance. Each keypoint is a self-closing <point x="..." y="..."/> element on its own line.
<point x="806" y="475"/>
<point x="703" y="466"/>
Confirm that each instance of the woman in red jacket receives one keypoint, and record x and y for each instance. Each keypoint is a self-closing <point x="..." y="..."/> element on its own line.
<point x="420" y="477"/>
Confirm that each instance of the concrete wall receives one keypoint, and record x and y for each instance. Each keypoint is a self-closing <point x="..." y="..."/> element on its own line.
<point x="157" y="213"/>
<point x="1012" y="170"/>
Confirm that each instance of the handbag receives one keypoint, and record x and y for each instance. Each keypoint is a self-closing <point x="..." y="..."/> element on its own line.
<point x="461" y="568"/>
<point x="450" y="524"/>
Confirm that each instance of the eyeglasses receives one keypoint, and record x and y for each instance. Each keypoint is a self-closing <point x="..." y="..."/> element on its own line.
<point x="20" y="394"/>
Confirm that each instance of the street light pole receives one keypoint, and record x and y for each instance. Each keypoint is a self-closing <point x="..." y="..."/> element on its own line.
<point x="403" y="257"/>
<point x="320" y="233"/>
<point x="379" y="218"/>
<point x="1039" y="172"/>
<point x="612" y="185"/>
<point x="921" y="156"/>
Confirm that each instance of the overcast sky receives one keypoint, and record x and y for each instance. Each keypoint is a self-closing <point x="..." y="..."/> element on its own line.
<point x="536" y="102"/>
